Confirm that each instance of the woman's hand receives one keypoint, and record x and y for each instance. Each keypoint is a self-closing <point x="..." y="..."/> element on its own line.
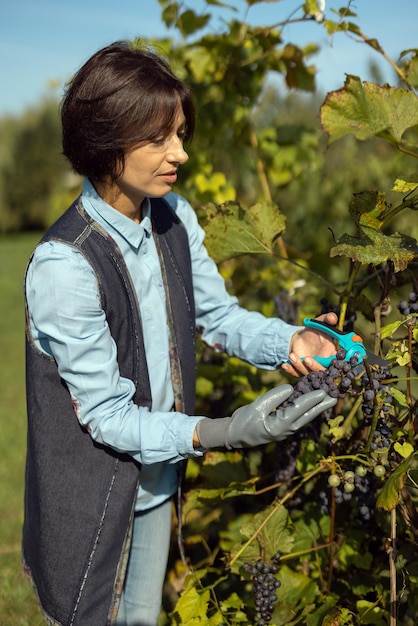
<point x="308" y="343"/>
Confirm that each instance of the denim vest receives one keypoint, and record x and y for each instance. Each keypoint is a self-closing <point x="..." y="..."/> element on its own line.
<point x="80" y="495"/>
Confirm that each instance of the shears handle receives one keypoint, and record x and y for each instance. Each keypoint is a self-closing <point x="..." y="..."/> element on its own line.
<point x="349" y="341"/>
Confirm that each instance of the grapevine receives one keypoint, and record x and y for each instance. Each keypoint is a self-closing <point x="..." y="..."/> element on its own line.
<point x="358" y="463"/>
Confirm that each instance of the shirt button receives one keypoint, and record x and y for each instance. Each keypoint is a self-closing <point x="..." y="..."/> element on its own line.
<point x="145" y="249"/>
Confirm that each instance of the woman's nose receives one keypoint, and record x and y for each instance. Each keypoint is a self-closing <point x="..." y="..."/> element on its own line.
<point x="177" y="152"/>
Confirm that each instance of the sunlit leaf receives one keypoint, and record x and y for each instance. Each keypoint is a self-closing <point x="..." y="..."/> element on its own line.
<point x="405" y="449"/>
<point x="399" y="397"/>
<point x="367" y="208"/>
<point x="406" y="185"/>
<point x="192" y="606"/>
<point x="411" y="66"/>
<point x="390" y="329"/>
<point x="369" y="110"/>
<point x="370" y="613"/>
<point x="374" y="248"/>
<point x="232" y="230"/>
<point x="266" y="534"/>
<point x="337" y="616"/>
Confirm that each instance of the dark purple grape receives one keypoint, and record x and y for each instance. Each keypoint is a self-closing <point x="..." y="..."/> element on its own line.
<point x="403" y="307"/>
<point x="369" y="395"/>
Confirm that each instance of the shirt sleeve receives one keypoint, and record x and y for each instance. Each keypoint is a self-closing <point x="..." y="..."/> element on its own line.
<point x="68" y="323"/>
<point x="223" y="324"/>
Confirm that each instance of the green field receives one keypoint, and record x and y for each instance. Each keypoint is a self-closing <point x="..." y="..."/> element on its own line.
<point x="18" y="606"/>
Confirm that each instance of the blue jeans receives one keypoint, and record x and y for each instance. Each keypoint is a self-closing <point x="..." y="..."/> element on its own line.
<point x="142" y="592"/>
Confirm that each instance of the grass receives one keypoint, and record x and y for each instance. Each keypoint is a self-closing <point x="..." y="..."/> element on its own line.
<point x="18" y="605"/>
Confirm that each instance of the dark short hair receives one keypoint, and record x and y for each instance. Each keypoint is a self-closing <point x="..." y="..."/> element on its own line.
<point x="123" y="96"/>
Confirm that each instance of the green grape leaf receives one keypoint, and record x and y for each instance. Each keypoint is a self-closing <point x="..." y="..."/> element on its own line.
<point x="411" y="66"/>
<point x="266" y="534"/>
<point x="220" y="469"/>
<point x="232" y="230"/>
<point x="404" y="449"/>
<point x="371" y="614"/>
<point x="389" y="496"/>
<point x="350" y="554"/>
<point x="390" y="329"/>
<point x="192" y="606"/>
<point x="374" y="248"/>
<point x="333" y="27"/>
<point x="337" y="616"/>
<point x="296" y="592"/>
<point x="399" y="396"/>
<point x="189" y="22"/>
<point x="369" y="110"/>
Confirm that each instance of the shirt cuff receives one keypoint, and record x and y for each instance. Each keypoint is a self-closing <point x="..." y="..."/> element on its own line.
<point x="185" y="435"/>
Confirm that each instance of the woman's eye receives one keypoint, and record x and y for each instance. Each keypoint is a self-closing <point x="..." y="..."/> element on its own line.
<point x="159" y="140"/>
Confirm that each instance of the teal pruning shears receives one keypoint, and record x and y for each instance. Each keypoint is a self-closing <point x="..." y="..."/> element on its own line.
<point x="349" y="341"/>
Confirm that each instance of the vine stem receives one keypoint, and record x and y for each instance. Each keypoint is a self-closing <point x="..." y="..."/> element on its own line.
<point x="349" y="418"/>
<point x="264" y="182"/>
<point x="378" y="329"/>
<point x="274" y="510"/>
<point x="390" y="211"/>
<point x="375" y="410"/>
<point x="348" y="291"/>
<point x="331" y="532"/>
<point x="408" y="380"/>
<point x="371" y="42"/>
<point x="392" y="567"/>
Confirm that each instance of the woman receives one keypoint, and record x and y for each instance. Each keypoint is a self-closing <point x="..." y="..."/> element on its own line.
<point x="115" y="292"/>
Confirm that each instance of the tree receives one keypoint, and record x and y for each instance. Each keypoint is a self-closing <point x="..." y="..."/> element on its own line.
<point x="34" y="169"/>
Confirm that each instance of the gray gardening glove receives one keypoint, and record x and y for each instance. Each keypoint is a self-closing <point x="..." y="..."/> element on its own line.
<point x="263" y="420"/>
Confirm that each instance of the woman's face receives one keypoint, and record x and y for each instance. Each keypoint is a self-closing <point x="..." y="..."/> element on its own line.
<point x="150" y="171"/>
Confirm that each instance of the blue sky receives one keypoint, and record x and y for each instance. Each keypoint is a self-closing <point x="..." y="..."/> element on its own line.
<point x="47" y="40"/>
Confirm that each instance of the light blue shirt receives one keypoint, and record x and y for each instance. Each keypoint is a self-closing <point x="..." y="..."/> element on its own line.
<point x="67" y="322"/>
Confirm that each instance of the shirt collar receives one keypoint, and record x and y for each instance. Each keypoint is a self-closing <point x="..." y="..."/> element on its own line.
<point x="99" y="209"/>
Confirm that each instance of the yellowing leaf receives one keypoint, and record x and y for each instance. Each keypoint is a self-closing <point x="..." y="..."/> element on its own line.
<point x="403" y="185"/>
<point x="374" y="248"/>
<point x="232" y="230"/>
<point x="366" y="110"/>
<point x="192" y="607"/>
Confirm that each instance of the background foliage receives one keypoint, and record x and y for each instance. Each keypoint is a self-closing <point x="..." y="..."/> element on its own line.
<point x="327" y="177"/>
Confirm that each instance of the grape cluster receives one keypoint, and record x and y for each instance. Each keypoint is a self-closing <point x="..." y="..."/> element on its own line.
<point x="340" y="379"/>
<point x="366" y="487"/>
<point x="362" y="482"/>
<point x="406" y="307"/>
<point x="265" y="585"/>
<point x="336" y="380"/>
